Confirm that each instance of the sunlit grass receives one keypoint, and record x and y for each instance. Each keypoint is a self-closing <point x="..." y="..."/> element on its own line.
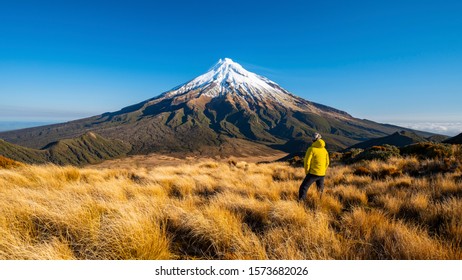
<point x="236" y="210"/>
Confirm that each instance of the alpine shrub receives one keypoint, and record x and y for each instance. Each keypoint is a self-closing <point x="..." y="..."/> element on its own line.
<point x="350" y="156"/>
<point x="381" y="153"/>
<point x="426" y="150"/>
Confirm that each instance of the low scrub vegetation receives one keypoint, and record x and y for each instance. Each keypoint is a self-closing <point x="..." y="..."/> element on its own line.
<point x="372" y="209"/>
<point x="423" y="151"/>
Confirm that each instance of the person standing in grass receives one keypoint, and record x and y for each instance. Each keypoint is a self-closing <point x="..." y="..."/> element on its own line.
<point x="315" y="164"/>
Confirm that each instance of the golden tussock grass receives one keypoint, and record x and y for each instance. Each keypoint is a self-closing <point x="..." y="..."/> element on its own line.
<point x="230" y="210"/>
<point x="375" y="236"/>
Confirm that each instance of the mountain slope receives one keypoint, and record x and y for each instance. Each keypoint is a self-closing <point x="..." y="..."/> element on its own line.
<point x="454" y="140"/>
<point x="209" y="113"/>
<point x="88" y="148"/>
<point x="398" y="139"/>
<point x="22" y="154"/>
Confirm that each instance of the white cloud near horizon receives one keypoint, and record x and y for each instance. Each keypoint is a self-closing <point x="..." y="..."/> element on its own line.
<point x="445" y="128"/>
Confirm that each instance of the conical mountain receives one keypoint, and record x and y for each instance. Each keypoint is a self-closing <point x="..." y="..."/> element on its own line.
<point x="227" y="110"/>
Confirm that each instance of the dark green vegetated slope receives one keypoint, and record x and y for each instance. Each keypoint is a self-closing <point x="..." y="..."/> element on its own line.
<point x="86" y="149"/>
<point x="454" y="140"/>
<point x="398" y="139"/>
<point x="22" y="154"/>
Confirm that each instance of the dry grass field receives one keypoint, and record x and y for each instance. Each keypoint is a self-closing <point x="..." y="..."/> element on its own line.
<point x="403" y="208"/>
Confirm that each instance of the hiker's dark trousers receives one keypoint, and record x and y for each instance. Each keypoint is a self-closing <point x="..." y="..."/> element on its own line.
<point x="310" y="179"/>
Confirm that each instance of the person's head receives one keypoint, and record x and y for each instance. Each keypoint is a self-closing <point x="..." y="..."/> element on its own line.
<point x="316" y="136"/>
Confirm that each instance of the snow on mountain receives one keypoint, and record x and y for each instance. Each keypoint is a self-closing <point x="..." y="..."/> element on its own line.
<point x="228" y="76"/>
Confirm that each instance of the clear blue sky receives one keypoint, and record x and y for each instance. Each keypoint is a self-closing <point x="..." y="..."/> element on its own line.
<point x="388" y="61"/>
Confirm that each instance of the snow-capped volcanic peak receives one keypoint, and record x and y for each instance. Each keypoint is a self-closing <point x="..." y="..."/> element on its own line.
<point x="228" y="77"/>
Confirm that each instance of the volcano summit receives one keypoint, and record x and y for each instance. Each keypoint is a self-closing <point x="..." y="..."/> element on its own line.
<point x="226" y="111"/>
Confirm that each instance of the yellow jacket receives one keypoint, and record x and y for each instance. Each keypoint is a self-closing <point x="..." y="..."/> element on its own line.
<point x="316" y="158"/>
